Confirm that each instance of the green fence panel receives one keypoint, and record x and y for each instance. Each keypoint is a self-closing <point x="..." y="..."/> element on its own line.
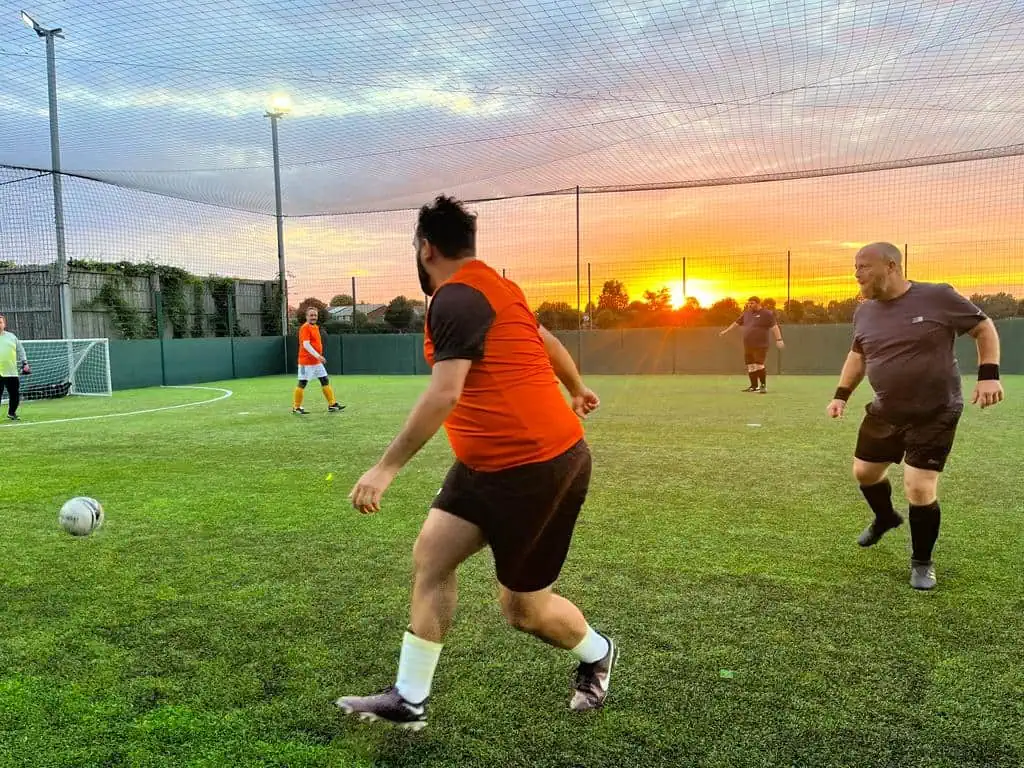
<point x="381" y="353"/>
<point x="259" y="356"/>
<point x="192" y="361"/>
<point x="135" y="364"/>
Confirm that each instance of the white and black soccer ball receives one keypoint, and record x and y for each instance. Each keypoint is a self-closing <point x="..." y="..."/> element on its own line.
<point x="81" y="516"/>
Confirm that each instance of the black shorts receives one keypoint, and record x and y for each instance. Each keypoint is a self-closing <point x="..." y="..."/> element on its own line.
<point x="925" y="441"/>
<point x="755" y="355"/>
<point x="527" y="513"/>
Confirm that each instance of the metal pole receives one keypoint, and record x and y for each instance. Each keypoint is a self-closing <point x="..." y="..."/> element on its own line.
<point x="67" y="329"/>
<point x="590" y="301"/>
<point x="684" y="280"/>
<point x="355" y="304"/>
<point x="906" y="252"/>
<point x="579" y="316"/>
<point x="274" y="117"/>
<point x="789" y="272"/>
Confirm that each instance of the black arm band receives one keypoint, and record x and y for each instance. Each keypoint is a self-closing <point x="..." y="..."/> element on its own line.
<point x="988" y="372"/>
<point x="843" y="393"/>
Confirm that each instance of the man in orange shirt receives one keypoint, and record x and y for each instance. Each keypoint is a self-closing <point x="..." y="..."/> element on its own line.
<point x="311" y="364"/>
<point x="521" y="474"/>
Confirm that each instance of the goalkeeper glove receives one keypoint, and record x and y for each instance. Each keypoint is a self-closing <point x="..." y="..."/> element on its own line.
<point x="26" y="369"/>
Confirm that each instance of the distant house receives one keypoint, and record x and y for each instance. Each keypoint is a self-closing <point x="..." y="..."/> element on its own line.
<point x="374" y="313"/>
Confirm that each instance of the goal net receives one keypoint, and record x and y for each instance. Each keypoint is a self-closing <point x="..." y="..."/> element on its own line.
<point x="62" y="367"/>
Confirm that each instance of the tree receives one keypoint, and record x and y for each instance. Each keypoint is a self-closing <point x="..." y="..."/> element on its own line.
<point x="399" y="313"/>
<point x="558" y="316"/>
<point x="842" y="311"/>
<point x="658" y="301"/>
<point x="995" y="305"/>
<point x="342" y="300"/>
<point x="613" y="296"/>
<point x="305" y="304"/>
<point x="724" y="312"/>
<point x="794" y="311"/>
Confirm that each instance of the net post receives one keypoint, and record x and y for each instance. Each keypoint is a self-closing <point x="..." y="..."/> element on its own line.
<point x="355" y="304"/>
<point x="158" y="303"/>
<point x="579" y="315"/>
<point x="231" y="325"/>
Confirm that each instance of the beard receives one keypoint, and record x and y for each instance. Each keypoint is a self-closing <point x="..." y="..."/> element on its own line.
<point x="425" y="284"/>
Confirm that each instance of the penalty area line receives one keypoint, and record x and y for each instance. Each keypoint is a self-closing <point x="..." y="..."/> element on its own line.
<point x="226" y="393"/>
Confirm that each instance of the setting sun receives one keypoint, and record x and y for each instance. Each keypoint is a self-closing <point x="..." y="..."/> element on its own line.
<point x="695" y="289"/>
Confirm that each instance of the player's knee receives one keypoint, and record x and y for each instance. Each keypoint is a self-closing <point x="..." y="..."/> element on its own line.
<point x="521" y="612"/>
<point x="302" y="383"/>
<point x="324" y="381"/>
<point x="428" y="570"/>
<point x="866" y="473"/>
<point x="920" y="490"/>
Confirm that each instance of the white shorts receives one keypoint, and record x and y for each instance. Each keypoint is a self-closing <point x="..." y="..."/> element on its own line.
<point x="307" y="372"/>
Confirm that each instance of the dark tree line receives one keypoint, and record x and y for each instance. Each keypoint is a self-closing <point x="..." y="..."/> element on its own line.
<point x="614" y="309"/>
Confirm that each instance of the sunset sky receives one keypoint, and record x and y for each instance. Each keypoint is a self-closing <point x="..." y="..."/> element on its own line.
<point x="394" y="102"/>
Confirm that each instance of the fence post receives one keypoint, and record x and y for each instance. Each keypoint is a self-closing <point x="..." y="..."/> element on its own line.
<point x="579" y="315"/>
<point x="231" y="325"/>
<point x="158" y="308"/>
<point x="355" y="304"/>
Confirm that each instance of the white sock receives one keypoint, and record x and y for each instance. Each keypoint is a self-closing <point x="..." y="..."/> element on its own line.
<point x="593" y="648"/>
<point x="416" y="667"/>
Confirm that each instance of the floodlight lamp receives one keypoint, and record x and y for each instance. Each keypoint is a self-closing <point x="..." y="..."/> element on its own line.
<point x="280" y="103"/>
<point x="29" y="22"/>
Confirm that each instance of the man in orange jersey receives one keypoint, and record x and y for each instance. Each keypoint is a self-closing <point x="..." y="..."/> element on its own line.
<point x="520" y="478"/>
<point x="311" y="364"/>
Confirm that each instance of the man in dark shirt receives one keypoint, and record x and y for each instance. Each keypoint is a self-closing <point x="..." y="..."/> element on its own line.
<point x="756" y="322"/>
<point x="903" y="340"/>
<point x="520" y="478"/>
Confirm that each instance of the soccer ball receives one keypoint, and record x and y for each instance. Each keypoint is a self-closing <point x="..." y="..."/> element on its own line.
<point x="81" y="516"/>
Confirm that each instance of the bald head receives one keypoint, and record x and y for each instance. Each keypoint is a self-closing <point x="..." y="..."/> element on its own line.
<point x="885" y="252"/>
<point x="879" y="270"/>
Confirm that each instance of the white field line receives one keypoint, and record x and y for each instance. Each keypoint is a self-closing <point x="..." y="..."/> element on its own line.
<point x="226" y="394"/>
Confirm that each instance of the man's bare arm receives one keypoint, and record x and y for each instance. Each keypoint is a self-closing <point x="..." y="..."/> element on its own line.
<point x="853" y="371"/>
<point x="562" y="362"/>
<point x="986" y="337"/>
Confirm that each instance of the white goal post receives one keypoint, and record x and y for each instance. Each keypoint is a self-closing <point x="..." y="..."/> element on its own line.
<point x="62" y="367"/>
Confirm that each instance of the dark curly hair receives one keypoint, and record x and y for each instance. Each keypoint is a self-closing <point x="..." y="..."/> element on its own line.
<point x="448" y="226"/>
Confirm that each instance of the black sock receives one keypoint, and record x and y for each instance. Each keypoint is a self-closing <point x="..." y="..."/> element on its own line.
<point x="753" y="378"/>
<point x="924" y="530"/>
<point x="763" y="375"/>
<point x="879" y="498"/>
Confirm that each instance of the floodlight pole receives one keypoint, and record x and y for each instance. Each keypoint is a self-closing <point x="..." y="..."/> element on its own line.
<point x="67" y="330"/>
<point x="274" y="117"/>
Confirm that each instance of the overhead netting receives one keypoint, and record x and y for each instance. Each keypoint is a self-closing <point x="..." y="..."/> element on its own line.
<point x="396" y="99"/>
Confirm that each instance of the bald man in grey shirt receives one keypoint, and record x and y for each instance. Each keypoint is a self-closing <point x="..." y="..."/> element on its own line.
<point x="903" y="340"/>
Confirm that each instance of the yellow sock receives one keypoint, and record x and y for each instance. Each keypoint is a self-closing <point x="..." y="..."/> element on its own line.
<point x="329" y="394"/>
<point x="297" y="400"/>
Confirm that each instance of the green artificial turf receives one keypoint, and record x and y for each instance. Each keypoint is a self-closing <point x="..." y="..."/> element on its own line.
<point x="232" y="593"/>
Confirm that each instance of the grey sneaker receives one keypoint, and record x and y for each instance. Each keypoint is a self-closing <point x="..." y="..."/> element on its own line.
<point x="388" y="705"/>
<point x="874" y="532"/>
<point x="922" y="575"/>
<point x="592" y="680"/>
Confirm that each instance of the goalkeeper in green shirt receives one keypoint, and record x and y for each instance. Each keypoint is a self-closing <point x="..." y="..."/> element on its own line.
<point x="13" y="363"/>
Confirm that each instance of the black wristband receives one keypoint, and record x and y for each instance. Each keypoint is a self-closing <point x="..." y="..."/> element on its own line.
<point x="988" y="372"/>
<point x="843" y="393"/>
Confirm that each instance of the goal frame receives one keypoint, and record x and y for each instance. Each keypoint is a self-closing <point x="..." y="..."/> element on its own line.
<point x="73" y="367"/>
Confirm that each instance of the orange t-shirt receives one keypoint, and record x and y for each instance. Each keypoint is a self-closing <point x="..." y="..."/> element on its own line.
<point x="512" y="410"/>
<point x="310" y="333"/>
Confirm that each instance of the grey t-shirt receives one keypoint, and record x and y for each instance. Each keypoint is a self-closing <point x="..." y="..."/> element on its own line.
<point x="907" y="345"/>
<point x="756" y="325"/>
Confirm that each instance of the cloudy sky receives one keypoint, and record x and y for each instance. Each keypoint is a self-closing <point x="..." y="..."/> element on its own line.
<point x="397" y="100"/>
